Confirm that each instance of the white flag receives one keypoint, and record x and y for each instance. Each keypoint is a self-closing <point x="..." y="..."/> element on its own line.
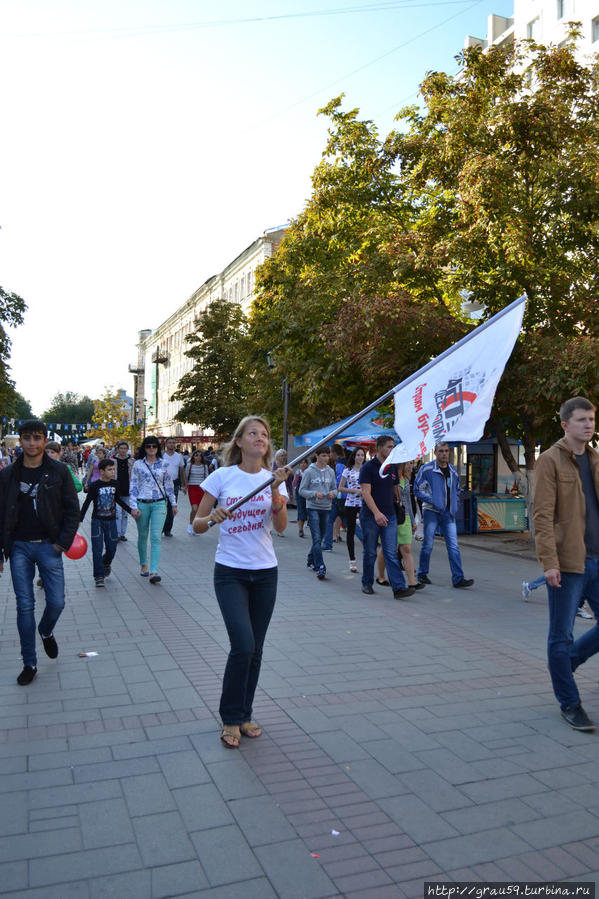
<point x="450" y="399"/>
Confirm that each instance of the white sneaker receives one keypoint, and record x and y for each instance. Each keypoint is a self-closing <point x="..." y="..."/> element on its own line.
<point x="582" y="613"/>
<point x="190" y="529"/>
<point x="526" y="591"/>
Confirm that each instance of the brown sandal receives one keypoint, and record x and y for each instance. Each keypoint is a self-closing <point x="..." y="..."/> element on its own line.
<point x="230" y="736"/>
<point x="251" y="729"/>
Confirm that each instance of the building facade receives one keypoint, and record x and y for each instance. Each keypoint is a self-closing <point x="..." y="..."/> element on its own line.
<point x="161" y="360"/>
<point x="545" y="22"/>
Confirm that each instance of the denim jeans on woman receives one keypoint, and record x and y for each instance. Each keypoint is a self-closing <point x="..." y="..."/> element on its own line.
<point x="246" y="599"/>
<point x="371" y="531"/>
<point x="430" y="522"/>
<point x="564" y="654"/>
<point x="24" y="556"/>
<point x="317" y="522"/>
<point x="151" y="520"/>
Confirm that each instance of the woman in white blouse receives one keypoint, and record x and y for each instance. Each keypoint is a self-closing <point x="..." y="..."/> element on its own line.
<point x="245" y="571"/>
<point x="150" y="488"/>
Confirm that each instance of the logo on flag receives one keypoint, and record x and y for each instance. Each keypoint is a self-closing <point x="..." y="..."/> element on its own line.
<point x="451" y="397"/>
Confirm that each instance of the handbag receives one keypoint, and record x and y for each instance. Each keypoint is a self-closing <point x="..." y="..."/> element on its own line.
<point x="400" y="512"/>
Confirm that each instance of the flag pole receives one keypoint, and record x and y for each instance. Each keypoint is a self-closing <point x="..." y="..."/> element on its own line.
<point x="347" y="423"/>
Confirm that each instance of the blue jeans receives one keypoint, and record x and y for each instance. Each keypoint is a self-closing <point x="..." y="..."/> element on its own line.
<point x="565" y="654"/>
<point x="337" y="510"/>
<point x="371" y="531"/>
<point x="432" y="520"/>
<point x="151" y="519"/>
<point x="122" y="518"/>
<point x="317" y="522"/>
<point x="246" y="599"/>
<point x="539" y="581"/>
<point x="24" y="556"/>
<point x="104" y="533"/>
<point x="300" y="504"/>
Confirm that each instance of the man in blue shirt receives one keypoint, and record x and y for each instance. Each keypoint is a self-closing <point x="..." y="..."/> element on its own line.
<point x="378" y="519"/>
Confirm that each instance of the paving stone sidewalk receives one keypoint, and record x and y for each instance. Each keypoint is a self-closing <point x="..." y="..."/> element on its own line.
<point x="404" y="741"/>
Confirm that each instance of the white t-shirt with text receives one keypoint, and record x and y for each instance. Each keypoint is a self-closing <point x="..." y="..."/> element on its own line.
<point x="245" y="540"/>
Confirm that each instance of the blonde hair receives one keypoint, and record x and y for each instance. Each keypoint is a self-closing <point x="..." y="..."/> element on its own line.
<point x="232" y="453"/>
<point x="402" y="467"/>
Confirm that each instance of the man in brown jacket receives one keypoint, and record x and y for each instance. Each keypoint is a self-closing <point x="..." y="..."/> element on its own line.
<point x="566" y="515"/>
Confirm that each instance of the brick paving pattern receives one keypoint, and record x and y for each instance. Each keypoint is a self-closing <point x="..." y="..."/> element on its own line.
<point x="403" y="741"/>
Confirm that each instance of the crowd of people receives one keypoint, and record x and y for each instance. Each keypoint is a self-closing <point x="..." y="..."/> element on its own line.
<point x="247" y="494"/>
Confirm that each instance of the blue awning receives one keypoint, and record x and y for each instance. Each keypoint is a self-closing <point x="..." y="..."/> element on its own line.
<point x="368" y="428"/>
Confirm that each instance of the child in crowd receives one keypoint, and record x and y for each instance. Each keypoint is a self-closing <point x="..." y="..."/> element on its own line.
<point x="105" y="495"/>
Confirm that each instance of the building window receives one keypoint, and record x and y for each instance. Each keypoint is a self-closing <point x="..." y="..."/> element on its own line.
<point x="595" y="28"/>
<point x="565" y="9"/>
<point x="533" y="29"/>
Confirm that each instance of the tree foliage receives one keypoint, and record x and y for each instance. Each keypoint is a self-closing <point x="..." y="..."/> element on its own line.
<point x="502" y="172"/>
<point x="70" y="408"/>
<point x="12" y="311"/>
<point x="334" y="255"/>
<point x="214" y="393"/>
<point x="110" y="409"/>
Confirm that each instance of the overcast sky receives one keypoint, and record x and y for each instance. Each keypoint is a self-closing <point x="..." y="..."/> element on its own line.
<point x="146" y="144"/>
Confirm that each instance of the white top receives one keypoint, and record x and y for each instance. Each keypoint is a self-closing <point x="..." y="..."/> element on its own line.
<point x="244" y="541"/>
<point x="352" y="480"/>
<point x="173" y="464"/>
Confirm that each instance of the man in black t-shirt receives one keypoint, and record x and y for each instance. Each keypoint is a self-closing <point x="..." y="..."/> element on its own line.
<point x="124" y="465"/>
<point x="39" y="514"/>
<point x="378" y="519"/>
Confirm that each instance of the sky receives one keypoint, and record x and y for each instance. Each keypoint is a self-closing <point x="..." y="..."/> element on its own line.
<point x="146" y="143"/>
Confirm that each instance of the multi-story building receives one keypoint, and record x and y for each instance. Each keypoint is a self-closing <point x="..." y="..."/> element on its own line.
<point x="544" y="21"/>
<point x="161" y="360"/>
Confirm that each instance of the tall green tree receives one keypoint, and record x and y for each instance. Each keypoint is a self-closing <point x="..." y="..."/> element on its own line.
<point x="501" y="168"/>
<point x="12" y="312"/>
<point x="70" y="408"/>
<point x="214" y="393"/>
<point x="334" y="254"/>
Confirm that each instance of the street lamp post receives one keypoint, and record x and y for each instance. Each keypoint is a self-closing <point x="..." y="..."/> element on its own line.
<point x="285" y="397"/>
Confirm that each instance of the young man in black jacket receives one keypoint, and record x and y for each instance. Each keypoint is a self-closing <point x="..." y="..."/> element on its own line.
<point x="39" y="516"/>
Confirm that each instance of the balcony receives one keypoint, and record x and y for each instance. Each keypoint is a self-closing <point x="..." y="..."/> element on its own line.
<point x="135" y="370"/>
<point x="159" y="357"/>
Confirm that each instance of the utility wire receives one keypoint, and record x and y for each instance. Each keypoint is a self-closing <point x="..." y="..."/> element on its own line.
<point x="361" y="68"/>
<point x="147" y="30"/>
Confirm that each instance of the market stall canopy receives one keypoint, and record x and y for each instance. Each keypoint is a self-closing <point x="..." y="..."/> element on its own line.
<point x="365" y="430"/>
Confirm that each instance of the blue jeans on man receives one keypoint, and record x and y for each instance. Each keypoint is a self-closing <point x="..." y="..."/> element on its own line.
<point x="104" y="535"/>
<point x="122" y="517"/>
<point x="564" y="654"/>
<point x="431" y="521"/>
<point x="24" y="556"/>
<point x="317" y="522"/>
<point x="371" y="532"/>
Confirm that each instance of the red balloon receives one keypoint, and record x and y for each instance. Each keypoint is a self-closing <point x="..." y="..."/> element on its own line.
<point x="78" y="547"/>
